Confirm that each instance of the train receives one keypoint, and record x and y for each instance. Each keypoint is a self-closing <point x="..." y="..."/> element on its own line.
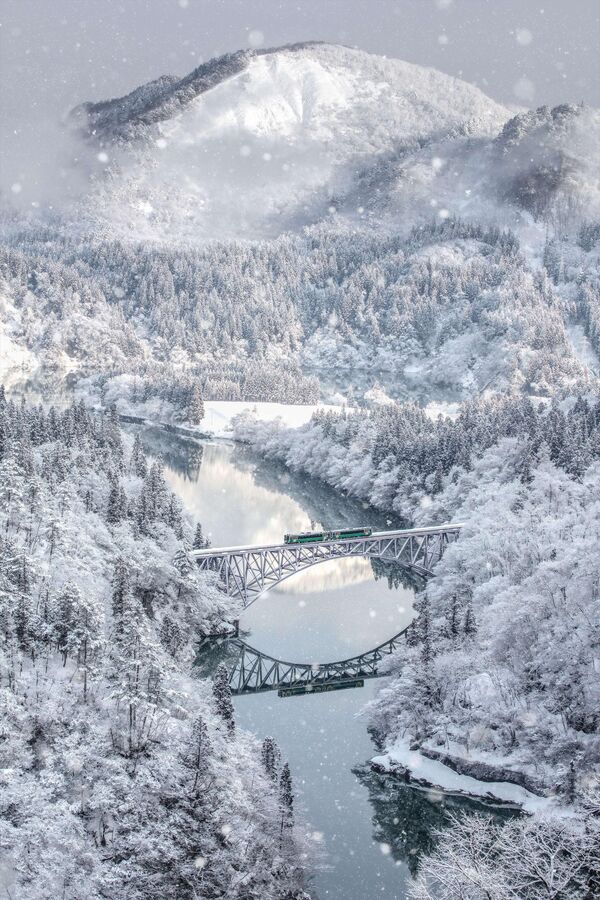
<point x="340" y="534"/>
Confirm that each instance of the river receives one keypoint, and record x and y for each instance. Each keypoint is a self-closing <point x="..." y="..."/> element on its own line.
<point x="371" y="828"/>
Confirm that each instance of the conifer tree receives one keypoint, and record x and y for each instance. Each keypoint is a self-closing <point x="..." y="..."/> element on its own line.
<point x="138" y="463"/>
<point x="286" y="800"/>
<point x="120" y="591"/>
<point x="200" y="542"/>
<point x="197" y="754"/>
<point x="114" y="506"/>
<point x="470" y="625"/>
<point x="195" y="412"/>
<point x="222" y="697"/>
<point x="271" y="757"/>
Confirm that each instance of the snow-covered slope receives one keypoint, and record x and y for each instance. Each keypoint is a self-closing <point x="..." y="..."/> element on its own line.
<point x="258" y="142"/>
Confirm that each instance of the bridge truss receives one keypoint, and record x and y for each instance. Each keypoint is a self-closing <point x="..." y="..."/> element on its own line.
<point x="247" y="572"/>
<point x="254" y="672"/>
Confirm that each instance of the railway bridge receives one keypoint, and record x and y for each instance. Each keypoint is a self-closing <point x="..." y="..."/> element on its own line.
<point x="254" y="672"/>
<point x="247" y="572"/>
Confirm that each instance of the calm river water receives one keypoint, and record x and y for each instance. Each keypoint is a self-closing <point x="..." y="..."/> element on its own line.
<point x="371" y="828"/>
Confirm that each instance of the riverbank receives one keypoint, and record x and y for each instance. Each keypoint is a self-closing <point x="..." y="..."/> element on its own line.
<point x="219" y="415"/>
<point x="420" y="768"/>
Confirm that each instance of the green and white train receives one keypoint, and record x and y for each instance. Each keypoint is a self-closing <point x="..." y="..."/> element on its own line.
<point x="311" y="537"/>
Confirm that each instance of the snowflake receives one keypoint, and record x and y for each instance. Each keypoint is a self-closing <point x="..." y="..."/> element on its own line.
<point x="256" y="38"/>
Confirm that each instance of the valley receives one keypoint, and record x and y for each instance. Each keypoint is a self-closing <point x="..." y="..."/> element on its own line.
<point x="297" y="288"/>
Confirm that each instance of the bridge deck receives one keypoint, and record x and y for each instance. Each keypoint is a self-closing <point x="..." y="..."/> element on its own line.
<point x="375" y="535"/>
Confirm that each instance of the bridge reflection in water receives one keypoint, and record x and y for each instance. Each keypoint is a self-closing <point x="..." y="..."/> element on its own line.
<point x="247" y="572"/>
<point x="253" y="672"/>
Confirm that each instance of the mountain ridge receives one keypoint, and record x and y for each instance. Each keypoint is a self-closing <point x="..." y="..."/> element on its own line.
<point x="258" y="142"/>
<point x="130" y="109"/>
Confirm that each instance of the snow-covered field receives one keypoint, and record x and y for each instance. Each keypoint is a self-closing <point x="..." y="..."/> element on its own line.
<point x="219" y="414"/>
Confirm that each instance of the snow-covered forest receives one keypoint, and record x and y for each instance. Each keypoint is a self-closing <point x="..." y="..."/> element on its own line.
<point x="450" y="307"/>
<point x="295" y="225"/>
<point x="113" y="753"/>
<point x="501" y="658"/>
<point x="500" y="666"/>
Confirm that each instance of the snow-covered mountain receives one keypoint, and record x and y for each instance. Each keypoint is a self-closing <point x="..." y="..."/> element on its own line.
<point x="257" y="142"/>
<point x="403" y="176"/>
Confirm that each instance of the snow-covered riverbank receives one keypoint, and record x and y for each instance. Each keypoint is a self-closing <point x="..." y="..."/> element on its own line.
<point x="219" y="414"/>
<point x="423" y="771"/>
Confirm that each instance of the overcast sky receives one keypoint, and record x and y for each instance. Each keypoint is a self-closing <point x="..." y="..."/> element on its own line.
<point x="57" y="53"/>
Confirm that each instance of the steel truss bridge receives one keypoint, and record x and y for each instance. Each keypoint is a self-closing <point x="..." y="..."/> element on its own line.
<point x="254" y="672"/>
<point x="248" y="572"/>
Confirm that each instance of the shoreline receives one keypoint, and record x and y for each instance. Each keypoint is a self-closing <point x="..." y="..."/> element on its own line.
<point x="424" y="770"/>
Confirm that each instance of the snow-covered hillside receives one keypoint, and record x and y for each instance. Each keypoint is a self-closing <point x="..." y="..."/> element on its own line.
<point x="165" y="275"/>
<point x="255" y="143"/>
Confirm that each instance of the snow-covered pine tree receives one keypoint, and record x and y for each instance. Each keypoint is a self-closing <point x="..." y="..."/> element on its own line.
<point x="195" y="410"/>
<point x="200" y="542"/>
<point x="286" y="800"/>
<point x="222" y="697"/>
<point x="196" y="756"/>
<point x="138" y="464"/>
<point x="271" y="757"/>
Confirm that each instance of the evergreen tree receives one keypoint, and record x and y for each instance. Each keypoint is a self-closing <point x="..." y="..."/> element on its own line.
<point x="286" y="800"/>
<point x="195" y="411"/>
<point x="470" y="624"/>
<point x="200" y="543"/>
<point x="120" y="592"/>
<point x="116" y="507"/>
<point x="222" y="697"/>
<point x="197" y="755"/>
<point x="271" y="758"/>
<point x="138" y="464"/>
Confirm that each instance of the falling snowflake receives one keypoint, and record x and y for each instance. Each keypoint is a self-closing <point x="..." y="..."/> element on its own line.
<point x="256" y="38"/>
<point x="524" y="89"/>
<point x="523" y="36"/>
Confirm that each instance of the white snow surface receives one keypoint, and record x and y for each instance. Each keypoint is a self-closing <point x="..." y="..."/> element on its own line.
<point x="219" y="414"/>
<point x="275" y="145"/>
<point x="15" y="359"/>
<point x="583" y="348"/>
<point x="442" y="777"/>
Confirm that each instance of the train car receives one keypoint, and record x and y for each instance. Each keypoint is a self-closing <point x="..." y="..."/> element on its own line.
<point x="310" y="537"/>
<point x="345" y="533"/>
<point x="305" y="537"/>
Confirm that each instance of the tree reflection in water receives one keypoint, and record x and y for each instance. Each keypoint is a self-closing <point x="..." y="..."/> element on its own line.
<point x="183" y="455"/>
<point x="406" y="817"/>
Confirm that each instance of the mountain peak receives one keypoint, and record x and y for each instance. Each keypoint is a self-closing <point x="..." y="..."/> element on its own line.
<point x="161" y="99"/>
<point x="258" y="141"/>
